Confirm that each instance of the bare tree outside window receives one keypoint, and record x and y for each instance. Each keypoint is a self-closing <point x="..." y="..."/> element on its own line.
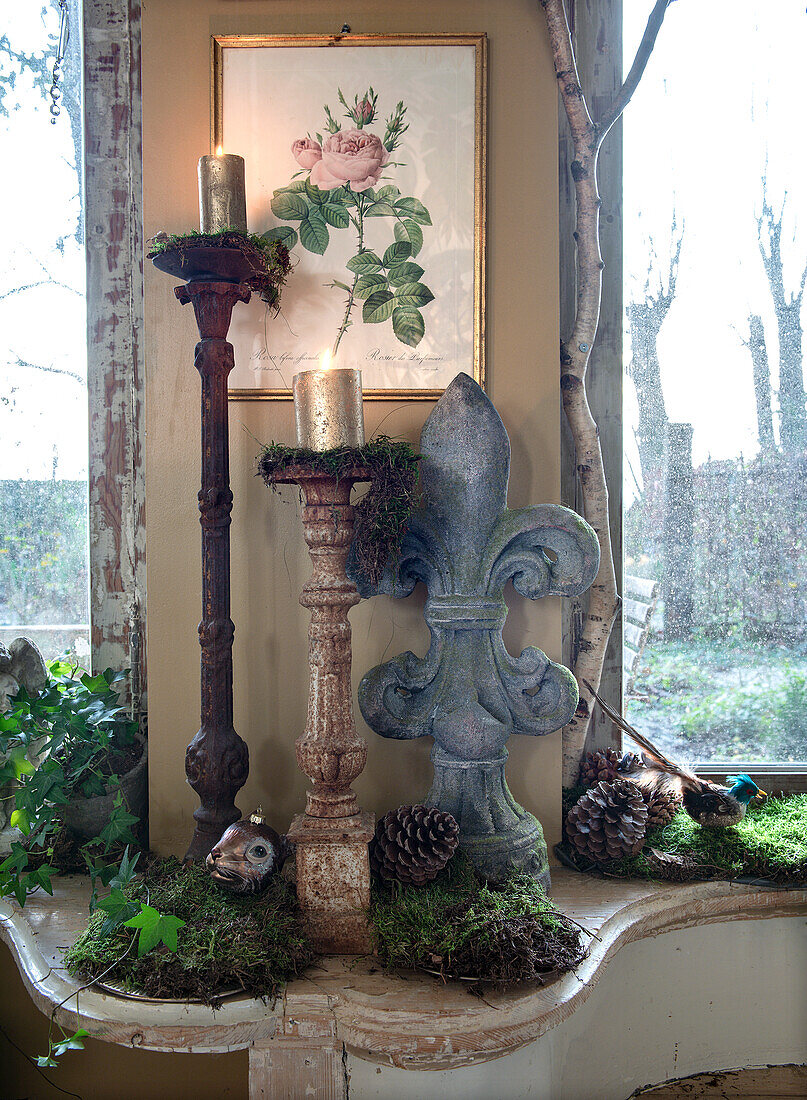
<point x="44" y="581"/>
<point x="715" y="494"/>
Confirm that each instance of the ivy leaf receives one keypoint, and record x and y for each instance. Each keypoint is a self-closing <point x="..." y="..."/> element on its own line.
<point x="45" y="1061"/>
<point x="369" y="284"/>
<point x="404" y="273"/>
<point x="39" y="877"/>
<point x="335" y="215"/>
<point x="283" y="233"/>
<point x="378" y="307"/>
<point x="288" y="206"/>
<point x="409" y="230"/>
<point x="413" y="294"/>
<point x="126" y="871"/>
<point x="397" y="253"/>
<point x="72" y="1042"/>
<point x="17" y="861"/>
<point x="118" y="909"/>
<point x="408" y="326"/>
<point x="363" y="263"/>
<point x="21" y="821"/>
<point x="413" y="208"/>
<point x="314" y="232"/>
<point x="155" y="927"/>
<point x="20" y="762"/>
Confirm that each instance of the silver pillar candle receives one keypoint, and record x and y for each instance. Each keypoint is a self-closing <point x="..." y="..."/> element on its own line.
<point x="222" y="193"/>
<point x="328" y="409"/>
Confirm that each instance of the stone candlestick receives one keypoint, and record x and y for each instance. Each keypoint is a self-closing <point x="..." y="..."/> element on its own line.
<point x="333" y="871"/>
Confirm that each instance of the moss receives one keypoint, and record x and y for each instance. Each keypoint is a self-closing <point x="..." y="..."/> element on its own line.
<point x="382" y="513"/>
<point x="770" y="842"/>
<point x="252" y="943"/>
<point x="463" y="928"/>
<point x="271" y="257"/>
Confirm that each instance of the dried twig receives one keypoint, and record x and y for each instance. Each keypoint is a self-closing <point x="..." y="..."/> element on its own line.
<point x="587" y="137"/>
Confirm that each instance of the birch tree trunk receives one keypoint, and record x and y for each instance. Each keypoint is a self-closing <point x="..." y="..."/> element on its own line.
<point x="587" y="137"/>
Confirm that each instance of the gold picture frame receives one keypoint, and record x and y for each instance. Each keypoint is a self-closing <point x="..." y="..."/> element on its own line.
<point x="250" y="78"/>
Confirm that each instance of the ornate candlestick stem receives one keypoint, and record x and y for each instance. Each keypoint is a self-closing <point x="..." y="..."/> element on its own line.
<point x="217" y="760"/>
<point x="333" y="872"/>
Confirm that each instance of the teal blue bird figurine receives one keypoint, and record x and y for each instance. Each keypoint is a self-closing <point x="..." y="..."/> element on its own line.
<point x="706" y="803"/>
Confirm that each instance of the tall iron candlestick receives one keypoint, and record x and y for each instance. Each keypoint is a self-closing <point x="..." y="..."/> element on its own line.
<point x="217" y="760"/>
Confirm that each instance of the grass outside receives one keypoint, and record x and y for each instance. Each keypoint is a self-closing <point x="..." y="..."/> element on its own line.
<point x="703" y="701"/>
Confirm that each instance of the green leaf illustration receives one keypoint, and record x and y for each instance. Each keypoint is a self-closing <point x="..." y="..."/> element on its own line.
<point x="414" y="208"/>
<point x="283" y="233"/>
<point x="315" y="195"/>
<point x="378" y="307"/>
<point x="397" y="253"/>
<point x="407" y="324"/>
<point x="335" y="215"/>
<point x="295" y="185"/>
<point x="379" y="210"/>
<point x="404" y="273"/>
<point x="387" y="193"/>
<point x="365" y="262"/>
<point x="413" y="294"/>
<point x="370" y="284"/>
<point x="408" y="230"/>
<point x="314" y="232"/>
<point x="288" y="207"/>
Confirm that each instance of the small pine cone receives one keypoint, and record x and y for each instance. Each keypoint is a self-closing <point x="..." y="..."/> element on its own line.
<point x="609" y="821"/>
<point x="599" y="765"/>
<point x="662" y="806"/>
<point x="413" y="844"/>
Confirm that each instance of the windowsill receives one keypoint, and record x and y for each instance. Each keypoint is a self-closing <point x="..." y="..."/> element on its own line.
<point x="412" y="1021"/>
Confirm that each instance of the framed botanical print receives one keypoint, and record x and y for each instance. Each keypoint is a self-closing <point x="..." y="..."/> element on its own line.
<point x="365" y="155"/>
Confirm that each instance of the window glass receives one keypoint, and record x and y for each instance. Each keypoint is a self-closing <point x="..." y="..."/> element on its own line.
<point x="715" y="492"/>
<point x="43" y="386"/>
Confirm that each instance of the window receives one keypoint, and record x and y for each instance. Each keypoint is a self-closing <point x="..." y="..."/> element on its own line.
<point x="715" y="495"/>
<point x="44" y="574"/>
<point x="103" y="58"/>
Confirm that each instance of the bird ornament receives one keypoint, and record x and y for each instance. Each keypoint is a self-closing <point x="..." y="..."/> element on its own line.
<point x="706" y="803"/>
<point x="248" y="854"/>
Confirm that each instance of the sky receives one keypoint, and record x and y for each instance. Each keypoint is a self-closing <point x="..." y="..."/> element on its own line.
<point x="721" y="97"/>
<point x="43" y="412"/>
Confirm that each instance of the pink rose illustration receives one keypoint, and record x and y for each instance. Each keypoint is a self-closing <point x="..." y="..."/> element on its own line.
<point x="349" y="156"/>
<point x="306" y="152"/>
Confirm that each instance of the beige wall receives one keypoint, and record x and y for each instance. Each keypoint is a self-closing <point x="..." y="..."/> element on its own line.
<point x="269" y="563"/>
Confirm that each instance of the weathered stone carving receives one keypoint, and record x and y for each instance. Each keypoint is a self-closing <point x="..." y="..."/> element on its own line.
<point x="468" y="693"/>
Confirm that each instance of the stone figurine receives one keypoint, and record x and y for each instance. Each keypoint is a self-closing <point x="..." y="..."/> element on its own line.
<point x="21" y="665"/>
<point x="468" y="692"/>
<point x="248" y="854"/>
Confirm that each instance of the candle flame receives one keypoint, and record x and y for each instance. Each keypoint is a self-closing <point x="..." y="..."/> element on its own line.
<point x="325" y="360"/>
<point x="219" y="150"/>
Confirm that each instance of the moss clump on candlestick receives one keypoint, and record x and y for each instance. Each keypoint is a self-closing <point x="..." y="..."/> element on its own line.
<point x="463" y="928"/>
<point x="769" y="843"/>
<point x="254" y="943"/>
<point x="383" y="512"/>
<point x="270" y="257"/>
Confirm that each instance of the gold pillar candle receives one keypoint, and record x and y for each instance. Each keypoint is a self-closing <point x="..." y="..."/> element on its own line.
<point x="222" y="193"/>
<point x="328" y="408"/>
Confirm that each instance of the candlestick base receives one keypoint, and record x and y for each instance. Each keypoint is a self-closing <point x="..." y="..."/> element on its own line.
<point x="333" y="881"/>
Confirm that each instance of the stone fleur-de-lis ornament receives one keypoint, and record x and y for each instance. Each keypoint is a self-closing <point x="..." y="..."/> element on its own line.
<point x="468" y="692"/>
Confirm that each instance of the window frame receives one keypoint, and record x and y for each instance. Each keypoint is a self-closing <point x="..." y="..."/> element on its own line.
<point x="115" y="382"/>
<point x="597" y="38"/>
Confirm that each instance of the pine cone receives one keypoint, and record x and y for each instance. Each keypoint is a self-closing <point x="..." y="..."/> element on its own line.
<point x="609" y="821"/>
<point x="413" y="844"/>
<point x="662" y="806"/>
<point x="599" y="765"/>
